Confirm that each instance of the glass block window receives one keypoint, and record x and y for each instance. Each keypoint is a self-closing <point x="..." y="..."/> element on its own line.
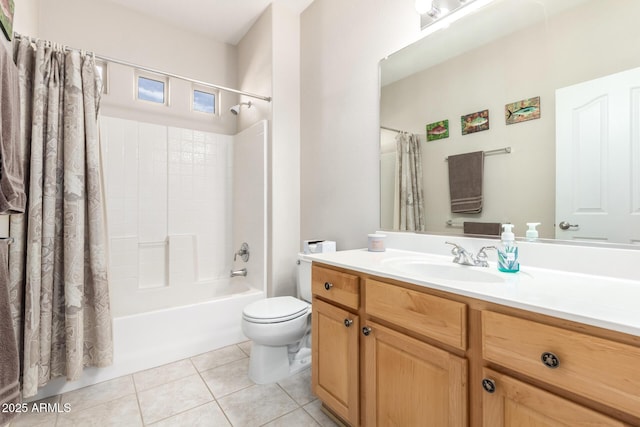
<point x="152" y="90"/>
<point x="204" y="102"/>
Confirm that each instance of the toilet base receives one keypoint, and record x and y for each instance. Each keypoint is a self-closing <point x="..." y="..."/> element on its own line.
<point x="271" y="364"/>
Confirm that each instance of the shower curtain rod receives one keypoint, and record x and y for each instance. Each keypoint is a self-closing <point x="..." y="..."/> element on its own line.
<point x="391" y="129"/>
<point x="164" y="73"/>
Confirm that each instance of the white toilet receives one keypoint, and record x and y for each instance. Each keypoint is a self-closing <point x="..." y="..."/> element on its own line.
<point x="280" y="331"/>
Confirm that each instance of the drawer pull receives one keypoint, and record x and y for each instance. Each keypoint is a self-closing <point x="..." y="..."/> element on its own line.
<point x="348" y="322"/>
<point x="366" y="331"/>
<point x="550" y="360"/>
<point x="489" y="385"/>
<point x="328" y="285"/>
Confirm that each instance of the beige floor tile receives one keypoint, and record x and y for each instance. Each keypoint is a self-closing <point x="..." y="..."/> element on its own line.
<point x="246" y="347"/>
<point x="122" y="412"/>
<point x="298" y="387"/>
<point x="99" y="393"/>
<point x="208" y="415"/>
<point x="256" y="405"/>
<point x="297" y="418"/>
<point x="314" y="410"/>
<point x="228" y="379"/>
<point x="172" y="398"/>
<point x="34" y="418"/>
<point x="219" y="357"/>
<point x="150" y="378"/>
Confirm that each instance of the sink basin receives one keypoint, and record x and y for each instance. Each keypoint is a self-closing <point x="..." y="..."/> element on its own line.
<point x="454" y="272"/>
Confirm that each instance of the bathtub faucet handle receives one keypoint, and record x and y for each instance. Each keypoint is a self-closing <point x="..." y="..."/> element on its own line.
<point x="243" y="252"/>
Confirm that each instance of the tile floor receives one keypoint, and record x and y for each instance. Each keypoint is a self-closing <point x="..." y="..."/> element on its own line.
<point x="211" y="389"/>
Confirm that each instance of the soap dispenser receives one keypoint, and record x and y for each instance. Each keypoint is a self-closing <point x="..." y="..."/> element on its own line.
<point x="508" y="251"/>
<point x="532" y="233"/>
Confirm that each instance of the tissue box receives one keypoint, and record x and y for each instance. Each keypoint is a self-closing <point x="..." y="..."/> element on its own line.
<point x="318" y="246"/>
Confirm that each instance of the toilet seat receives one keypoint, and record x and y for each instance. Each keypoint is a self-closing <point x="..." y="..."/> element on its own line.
<point x="275" y="310"/>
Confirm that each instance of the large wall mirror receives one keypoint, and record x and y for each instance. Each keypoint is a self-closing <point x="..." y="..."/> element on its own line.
<point x="578" y="163"/>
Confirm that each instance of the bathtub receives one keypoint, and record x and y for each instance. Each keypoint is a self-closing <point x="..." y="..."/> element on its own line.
<point x="146" y="340"/>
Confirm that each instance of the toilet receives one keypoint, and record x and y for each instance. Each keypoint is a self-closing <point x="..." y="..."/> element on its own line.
<point x="280" y="331"/>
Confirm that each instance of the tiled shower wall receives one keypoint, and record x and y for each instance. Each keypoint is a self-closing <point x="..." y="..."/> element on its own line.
<point x="169" y="207"/>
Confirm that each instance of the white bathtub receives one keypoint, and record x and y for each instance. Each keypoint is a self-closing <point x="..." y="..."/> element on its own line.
<point x="151" y="339"/>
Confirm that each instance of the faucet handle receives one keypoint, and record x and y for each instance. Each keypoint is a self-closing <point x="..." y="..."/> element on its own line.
<point x="243" y="252"/>
<point x="482" y="256"/>
<point x="456" y="248"/>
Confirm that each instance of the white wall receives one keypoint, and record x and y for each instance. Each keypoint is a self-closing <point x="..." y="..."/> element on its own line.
<point x="341" y="45"/>
<point x="269" y="64"/>
<point x="115" y="31"/>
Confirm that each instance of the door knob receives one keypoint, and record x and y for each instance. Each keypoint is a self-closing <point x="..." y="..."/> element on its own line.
<point x="348" y="322"/>
<point x="564" y="225"/>
<point x="366" y="331"/>
<point x="328" y="285"/>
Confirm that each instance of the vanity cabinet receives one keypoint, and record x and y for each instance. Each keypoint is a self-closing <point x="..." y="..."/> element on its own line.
<point x="386" y="352"/>
<point x="598" y="369"/>
<point x="410" y="383"/>
<point x="509" y="402"/>
<point x="335" y="373"/>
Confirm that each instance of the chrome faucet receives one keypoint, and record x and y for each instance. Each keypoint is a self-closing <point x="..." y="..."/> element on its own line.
<point x="241" y="272"/>
<point x="464" y="257"/>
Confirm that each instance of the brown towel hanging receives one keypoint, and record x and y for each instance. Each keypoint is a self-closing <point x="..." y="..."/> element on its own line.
<point x="481" y="228"/>
<point x="465" y="182"/>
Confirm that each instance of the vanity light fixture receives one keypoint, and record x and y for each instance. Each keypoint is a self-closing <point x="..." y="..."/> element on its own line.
<point x="435" y="14"/>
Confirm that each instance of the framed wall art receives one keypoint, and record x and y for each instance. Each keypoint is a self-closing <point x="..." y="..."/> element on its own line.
<point x="521" y="111"/>
<point x="475" y="122"/>
<point x="6" y="17"/>
<point x="438" y="130"/>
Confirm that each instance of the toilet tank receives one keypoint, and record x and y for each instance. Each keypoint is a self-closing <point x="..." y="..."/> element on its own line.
<point x="304" y="278"/>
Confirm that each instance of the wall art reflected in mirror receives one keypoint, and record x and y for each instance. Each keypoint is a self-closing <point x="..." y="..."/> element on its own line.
<point x="577" y="163"/>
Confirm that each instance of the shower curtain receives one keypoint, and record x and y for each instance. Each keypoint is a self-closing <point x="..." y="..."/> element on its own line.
<point x="409" y="194"/>
<point x="57" y="264"/>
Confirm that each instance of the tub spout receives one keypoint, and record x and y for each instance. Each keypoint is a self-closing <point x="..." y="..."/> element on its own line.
<point x="241" y="272"/>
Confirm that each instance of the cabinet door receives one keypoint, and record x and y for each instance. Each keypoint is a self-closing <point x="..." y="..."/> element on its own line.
<point x="410" y="383"/>
<point x="335" y="366"/>
<point x="509" y="402"/>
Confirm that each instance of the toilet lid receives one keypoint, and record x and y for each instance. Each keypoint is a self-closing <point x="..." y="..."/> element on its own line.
<point x="272" y="310"/>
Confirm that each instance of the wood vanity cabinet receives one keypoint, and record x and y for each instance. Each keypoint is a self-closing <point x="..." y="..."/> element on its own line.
<point x="335" y="372"/>
<point x="509" y="402"/>
<point x="406" y="381"/>
<point x="389" y="353"/>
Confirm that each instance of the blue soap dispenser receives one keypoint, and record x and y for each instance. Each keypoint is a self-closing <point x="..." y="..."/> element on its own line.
<point x="508" y="252"/>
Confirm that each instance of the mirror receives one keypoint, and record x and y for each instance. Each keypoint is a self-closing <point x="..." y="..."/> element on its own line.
<point x="506" y="52"/>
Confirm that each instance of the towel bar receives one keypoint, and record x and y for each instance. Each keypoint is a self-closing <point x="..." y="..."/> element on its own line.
<point x="505" y="150"/>
<point x="9" y="240"/>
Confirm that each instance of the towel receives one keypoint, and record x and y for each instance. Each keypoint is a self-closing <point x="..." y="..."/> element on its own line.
<point x="465" y="182"/>
<point x="12" y="195"/>
<point x="9" y="363"/>
<point x="482" y="228"/>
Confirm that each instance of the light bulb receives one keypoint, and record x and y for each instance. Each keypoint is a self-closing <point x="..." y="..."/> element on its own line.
<point x="423" y="6"/>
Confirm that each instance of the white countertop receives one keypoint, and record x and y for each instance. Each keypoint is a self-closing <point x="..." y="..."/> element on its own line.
<point x="601" y="301"/>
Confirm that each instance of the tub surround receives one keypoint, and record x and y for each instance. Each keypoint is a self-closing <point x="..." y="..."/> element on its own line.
<point x="595" y="286"/>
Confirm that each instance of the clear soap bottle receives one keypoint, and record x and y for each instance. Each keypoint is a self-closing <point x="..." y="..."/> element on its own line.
<point x="508" y="251"/>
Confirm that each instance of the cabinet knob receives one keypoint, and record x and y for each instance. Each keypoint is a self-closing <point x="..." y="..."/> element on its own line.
<point x="489" y="385"/>
<point x="550" y="360"/>
<point x="328" y="285"/>
<point x="366" y="331"/>
<point x="348" y="322"/>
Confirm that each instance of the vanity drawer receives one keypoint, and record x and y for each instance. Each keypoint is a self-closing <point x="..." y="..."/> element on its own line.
<point x="438" y="318"/>
<point x="332" y="285"/>
<point x="596" y="368"/>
